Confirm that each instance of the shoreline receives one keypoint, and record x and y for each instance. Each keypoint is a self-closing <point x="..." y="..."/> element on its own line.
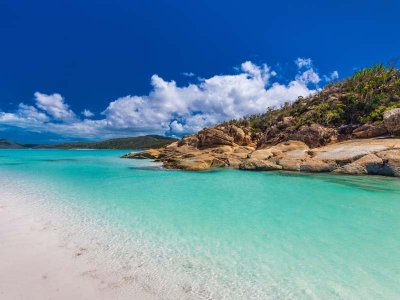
<point x="373" y="156"/>
<point x="37" y="265"/>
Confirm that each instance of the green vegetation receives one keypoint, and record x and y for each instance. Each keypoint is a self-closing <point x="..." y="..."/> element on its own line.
<point x="362" y="98"/>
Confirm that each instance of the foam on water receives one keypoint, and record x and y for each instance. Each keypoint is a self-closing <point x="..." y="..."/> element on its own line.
<point x="218" y="235"/>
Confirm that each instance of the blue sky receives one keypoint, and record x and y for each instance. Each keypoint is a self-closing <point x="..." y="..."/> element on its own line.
<point x="127" y="62"/>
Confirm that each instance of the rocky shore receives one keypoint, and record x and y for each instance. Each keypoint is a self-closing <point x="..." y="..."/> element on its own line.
<point x="365" y="149"/>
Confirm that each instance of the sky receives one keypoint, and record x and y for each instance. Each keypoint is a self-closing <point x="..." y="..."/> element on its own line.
<point x="91" y="70"/>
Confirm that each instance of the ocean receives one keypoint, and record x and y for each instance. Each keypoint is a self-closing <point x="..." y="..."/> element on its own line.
<point x="223" y="234"/>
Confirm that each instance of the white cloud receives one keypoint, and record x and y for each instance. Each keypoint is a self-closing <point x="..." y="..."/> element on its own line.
<point x="333" y="76"/>
<point x="168" y="108"/>
<point x="26" y="116"/>
<point x="87" y="113"/>
<point x="176" y="127"/>
<point x="188" y="74"/>
<point x="54" y="105"/>
<point x="308" y="76"/>
<point x="303" y="62"/>
<point x="31" y="113"/>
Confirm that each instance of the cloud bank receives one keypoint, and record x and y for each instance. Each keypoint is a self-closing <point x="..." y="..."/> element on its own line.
<point x="168" y="108"/>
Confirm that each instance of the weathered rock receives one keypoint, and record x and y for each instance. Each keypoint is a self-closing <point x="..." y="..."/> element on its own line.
<point x="195" y="163"/>
<point x="239" y="154"/>
<point x="259" y="165"/>
<point x="242" y="152"/>
<point x="390" y="154"/>
<point x="147" y="154"/>
<point x="190" y="140"/>
<point x="349" y="151"/>
<point x="315" y="135"/>
<point x="391" y="118"/>
<point x="391" y="159"/>
<point x="211" y="137"/>
<point x="385" y="163"/>
<point x="240" y="137"/>
<point x="220" y="147"/>
<point x="369" y="131"/>
<point x="261" y="154"/>
<point x="221" y="150"/>
<point x="234" y="162"/>
<point x="368" y="164"/>
<point x="288" y="121"/>
<point x="179" y="150"/>
<point x="172" y="145"/>
<point x="271" y="136"/>
<point x="289" y="164"/>
<point x="290" y="148"/>
<point x="294" y="149"/>
<point x="317" y="165"/>
<point x="347" y="129"/>
<point x="219" y="163"/>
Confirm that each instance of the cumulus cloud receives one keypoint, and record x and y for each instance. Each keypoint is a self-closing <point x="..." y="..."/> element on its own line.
<point x="306" y="74"/>
<point x="168" y="108"/>
<point x="87" y="113"/>
<point x="55" y="106"/>
<point x="303" y="62"/>
<point x="309" y="76"/>
<point x="25" y="116"/>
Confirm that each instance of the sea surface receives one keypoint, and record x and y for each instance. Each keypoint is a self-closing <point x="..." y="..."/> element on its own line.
<point x="223" y="234"/>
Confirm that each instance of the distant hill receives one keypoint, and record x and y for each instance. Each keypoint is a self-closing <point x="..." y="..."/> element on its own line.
<point x="139" y="142"/>
<point x="6" y="144"/>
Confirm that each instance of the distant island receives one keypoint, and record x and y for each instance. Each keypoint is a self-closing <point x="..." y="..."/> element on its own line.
<point x="139" y="142"/>
<point x="6" y="144"/>
<point x="349" y="127"/>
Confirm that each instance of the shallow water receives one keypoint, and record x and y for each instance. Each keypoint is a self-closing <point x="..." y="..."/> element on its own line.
<point x="223" y="234"/>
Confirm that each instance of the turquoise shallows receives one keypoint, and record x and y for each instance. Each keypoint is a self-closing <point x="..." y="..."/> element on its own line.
<point x="229" y="234"/>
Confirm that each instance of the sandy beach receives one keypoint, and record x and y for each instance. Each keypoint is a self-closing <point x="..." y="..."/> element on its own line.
<point x="35" y="265"/>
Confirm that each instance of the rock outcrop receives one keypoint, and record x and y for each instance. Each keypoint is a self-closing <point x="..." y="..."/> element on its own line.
<point x="368" y="164"/>
<point x="391" y="119"/>
<point x="349" y="127"/>
<point x="217" y="147"/>
<point x="315" y="135"/>
<point x="374" y="156"/>
<point x="391" y="160"/>
<point x="259" y="165"/>
<point x="348" y="149"/>
<point x="211" y="137"/>
<point x="147" y="154"/>
<point x="369" y="131"/>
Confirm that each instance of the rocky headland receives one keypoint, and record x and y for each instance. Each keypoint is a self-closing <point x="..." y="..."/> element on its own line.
<point x="349" y="127"/>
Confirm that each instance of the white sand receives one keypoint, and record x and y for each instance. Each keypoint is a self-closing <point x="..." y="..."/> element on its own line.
<point x="34" y="264"/>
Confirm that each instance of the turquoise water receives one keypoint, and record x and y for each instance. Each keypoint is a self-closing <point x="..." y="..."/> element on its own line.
<point x="228" y="234"/>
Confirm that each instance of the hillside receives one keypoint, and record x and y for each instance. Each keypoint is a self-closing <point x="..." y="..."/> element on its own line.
<point x="6" y="144"/>
<point x="140" y="142"/>
<point x="344" y="106"/>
